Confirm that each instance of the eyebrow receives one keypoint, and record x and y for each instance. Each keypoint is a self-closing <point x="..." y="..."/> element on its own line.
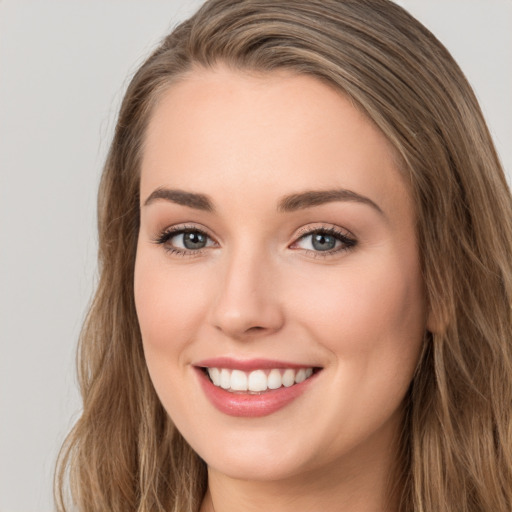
<point x="312" y="198"/>
<point x="290" y="203"/>
<point x="190" y="199"/>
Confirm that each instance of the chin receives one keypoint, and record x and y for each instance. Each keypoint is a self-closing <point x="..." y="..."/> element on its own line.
<point x="261" y="468"/>
<point x="258" y="456"/>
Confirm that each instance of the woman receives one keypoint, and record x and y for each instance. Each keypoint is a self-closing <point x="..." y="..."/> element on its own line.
<point x="305" y="293"/>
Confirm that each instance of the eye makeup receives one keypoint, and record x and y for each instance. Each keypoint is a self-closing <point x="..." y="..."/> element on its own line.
<point x="190" y="240"/>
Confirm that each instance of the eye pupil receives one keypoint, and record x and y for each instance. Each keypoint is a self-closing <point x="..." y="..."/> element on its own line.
<point x="194" y="240"/>
<point x="323" y="242"/>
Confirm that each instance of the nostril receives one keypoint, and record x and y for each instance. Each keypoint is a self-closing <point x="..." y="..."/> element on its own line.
<point x="256" y="328"/>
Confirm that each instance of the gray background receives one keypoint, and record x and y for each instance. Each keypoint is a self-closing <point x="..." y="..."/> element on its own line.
<point x="63" y="68"/>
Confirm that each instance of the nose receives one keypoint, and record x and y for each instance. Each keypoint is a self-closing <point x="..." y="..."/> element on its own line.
<point x="247" y="304"/>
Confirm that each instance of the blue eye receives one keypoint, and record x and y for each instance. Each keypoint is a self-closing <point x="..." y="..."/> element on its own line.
<point x="325" y="240"/>
<point x="184" y="240"/>
<point x="190" y="240"/>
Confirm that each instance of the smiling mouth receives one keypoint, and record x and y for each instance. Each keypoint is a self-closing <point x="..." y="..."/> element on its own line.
<point x="257" y="381"/>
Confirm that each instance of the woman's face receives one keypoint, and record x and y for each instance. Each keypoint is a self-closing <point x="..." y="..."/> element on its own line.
<point x="277" y="257"/>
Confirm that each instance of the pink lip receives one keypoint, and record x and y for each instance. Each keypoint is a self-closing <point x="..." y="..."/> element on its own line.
<point x="247" y="365"/>
<point x="245" y="404"/>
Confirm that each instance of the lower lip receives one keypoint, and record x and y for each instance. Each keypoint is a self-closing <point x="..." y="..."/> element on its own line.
<point x="248" y="405"/>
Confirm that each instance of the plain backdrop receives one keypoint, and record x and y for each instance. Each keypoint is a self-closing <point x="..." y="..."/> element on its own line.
<point x="63" y="68"/>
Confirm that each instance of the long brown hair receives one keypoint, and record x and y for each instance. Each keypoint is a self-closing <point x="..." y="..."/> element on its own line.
<point x="124" y="455"/>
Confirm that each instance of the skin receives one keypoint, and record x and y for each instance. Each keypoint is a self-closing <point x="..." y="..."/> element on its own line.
<point x="259" y="289"/>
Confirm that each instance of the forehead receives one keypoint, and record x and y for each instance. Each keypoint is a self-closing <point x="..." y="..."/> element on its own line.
<point x="226" y="131"/>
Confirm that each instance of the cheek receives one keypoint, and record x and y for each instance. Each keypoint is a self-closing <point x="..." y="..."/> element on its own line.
<point x="169" y="303"/>
<point x="169" y="307"/>
<point x="372" y="307"/>
<point x="371" y="318"/>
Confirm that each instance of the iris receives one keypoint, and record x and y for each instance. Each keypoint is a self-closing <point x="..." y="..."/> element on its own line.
<point x="323" y="242"/>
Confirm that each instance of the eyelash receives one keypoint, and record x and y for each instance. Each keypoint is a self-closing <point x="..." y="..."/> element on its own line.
<point x="348" y="242"/>
<point x="169" y="233"/>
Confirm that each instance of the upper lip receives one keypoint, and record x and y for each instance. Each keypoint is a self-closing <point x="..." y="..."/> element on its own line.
<point x="249" y="364"/>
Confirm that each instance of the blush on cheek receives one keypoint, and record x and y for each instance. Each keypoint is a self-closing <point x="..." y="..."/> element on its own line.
<point x="358" y="309"/>
<point x="153" y="307"/>
<point x="169" y="301"/>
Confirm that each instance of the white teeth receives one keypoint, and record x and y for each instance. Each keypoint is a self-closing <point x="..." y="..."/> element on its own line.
<point x="257" y="380"/>
<point x="301" y="376"/>
<point x="225" y="378"/>
<point x="238" y="381"/>
<point x="214" y="374"/>
<point x="288" y="378"/>
<point x="274" y="380"/>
